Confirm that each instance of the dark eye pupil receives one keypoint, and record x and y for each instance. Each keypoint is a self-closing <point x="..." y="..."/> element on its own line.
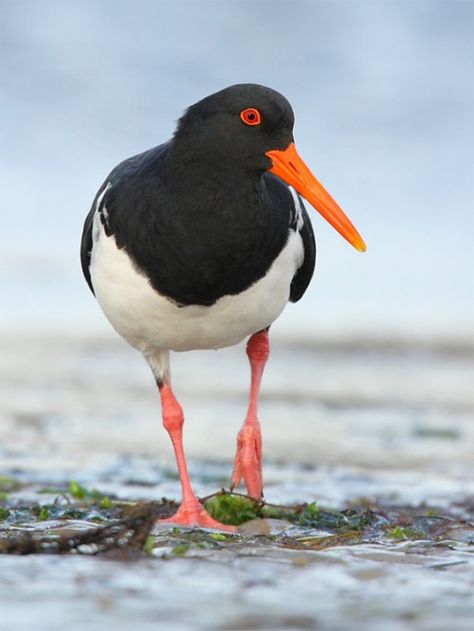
<point x="250" y="116"/>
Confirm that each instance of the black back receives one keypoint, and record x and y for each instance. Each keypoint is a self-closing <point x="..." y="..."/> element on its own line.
<point x="201" y="216"/>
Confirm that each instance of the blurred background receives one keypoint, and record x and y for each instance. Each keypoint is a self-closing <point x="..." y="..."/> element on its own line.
<point x="380" y="348"/>
<point x="383" y="96"/>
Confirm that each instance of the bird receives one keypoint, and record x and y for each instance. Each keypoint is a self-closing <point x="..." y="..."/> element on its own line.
<point x="199" y="243"/>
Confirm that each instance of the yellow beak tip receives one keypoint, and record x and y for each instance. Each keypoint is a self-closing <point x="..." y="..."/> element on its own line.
<point x="360" y="246"/>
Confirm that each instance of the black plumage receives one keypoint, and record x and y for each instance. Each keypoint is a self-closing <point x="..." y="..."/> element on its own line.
<point x="200" y="215"/>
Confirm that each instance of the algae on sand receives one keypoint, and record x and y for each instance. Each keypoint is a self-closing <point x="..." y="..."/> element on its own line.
<point x="79" y="520"/>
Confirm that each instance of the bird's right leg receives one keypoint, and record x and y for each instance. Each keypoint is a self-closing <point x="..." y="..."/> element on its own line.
<point x="191" y="512"/>
<point x="248" y="459"/>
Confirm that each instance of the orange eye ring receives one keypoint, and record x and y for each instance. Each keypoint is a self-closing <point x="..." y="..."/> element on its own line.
<point x="251" y="116"/>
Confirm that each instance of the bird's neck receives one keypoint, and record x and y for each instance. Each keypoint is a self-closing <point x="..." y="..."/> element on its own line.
<point x="195" y="171"/>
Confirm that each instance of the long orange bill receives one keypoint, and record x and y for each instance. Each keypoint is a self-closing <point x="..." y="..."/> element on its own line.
<point x="288" y="165"/>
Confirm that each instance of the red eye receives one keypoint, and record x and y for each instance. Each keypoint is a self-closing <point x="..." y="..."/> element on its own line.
<point x="251" y="116"/>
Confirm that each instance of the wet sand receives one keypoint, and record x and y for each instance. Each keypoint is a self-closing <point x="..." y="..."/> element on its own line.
<point x="343" y="421"/>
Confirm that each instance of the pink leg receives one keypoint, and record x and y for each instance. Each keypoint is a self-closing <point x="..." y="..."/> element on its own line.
<point x="191" y="512"/>
<point x="248" y="459"/>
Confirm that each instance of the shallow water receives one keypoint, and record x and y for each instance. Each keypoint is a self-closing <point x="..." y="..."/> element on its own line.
<point x="343" y="423"/>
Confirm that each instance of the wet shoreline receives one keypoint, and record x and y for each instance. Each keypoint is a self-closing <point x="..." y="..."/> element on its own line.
<point x="344" y="425"/>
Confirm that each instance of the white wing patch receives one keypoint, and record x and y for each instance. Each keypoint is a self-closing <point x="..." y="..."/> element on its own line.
<point x="299" y="214"/>
<point x="100" y="209"/>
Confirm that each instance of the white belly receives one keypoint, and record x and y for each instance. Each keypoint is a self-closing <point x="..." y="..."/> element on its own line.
<point x="152" y="323"/>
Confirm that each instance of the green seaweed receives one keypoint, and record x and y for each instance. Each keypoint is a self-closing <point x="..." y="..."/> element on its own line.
<point x="236" y="509"/>
<point x="77" y="491"/>
<point x="220" y="536"/>
<point x="270" y="511"/>
<point x="232" y="509"/>
<point x="149" y="544"/>
<point x="44" y="514"/>
<point x="126" y="526"/>
<point x="93" y="496"/>
<point x="105" y="502"/>
<point x="404" y="533"/>
<point x="310" y="515"/>
<point x="180" y="550"/>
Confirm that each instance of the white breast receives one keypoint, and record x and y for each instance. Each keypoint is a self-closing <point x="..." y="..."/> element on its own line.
<point x="151" y="322"/>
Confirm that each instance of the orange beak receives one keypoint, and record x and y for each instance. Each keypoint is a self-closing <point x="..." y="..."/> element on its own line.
<point x="288" y="165"/>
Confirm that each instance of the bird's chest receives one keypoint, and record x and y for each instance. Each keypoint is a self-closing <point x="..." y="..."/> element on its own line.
<point x="149" y="320"/>
<point x="196" y="249"/>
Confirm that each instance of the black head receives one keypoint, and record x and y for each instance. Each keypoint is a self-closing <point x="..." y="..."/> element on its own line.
<point x="248" y="129"/>
<point x="235" y="127"/>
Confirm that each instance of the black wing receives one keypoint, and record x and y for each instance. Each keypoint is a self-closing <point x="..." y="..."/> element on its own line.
<point x="215" y="254"/>
<point x="303" y="276"/>
<point x="123" y="169"/>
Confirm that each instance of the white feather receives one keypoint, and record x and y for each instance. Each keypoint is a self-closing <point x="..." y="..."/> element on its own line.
<point x="152" y="323"/>
<point x="299" y="214"/>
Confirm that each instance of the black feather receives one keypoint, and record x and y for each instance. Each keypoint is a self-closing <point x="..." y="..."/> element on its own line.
<point x="201" y="216"/>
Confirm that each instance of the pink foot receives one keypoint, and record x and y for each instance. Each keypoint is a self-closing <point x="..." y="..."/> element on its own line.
<point x="248" y="461"/>
<point x="193" y="513"/>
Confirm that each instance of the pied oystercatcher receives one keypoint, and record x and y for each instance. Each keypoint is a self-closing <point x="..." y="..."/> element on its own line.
<point x="200" y="242"/>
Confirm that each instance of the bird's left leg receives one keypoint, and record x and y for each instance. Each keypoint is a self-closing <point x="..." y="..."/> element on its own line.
<point x="191" y="512"/>
<point x="248" y="459"/>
